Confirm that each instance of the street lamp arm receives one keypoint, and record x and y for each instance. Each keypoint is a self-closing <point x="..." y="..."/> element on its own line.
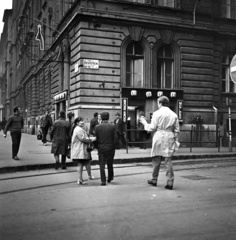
<point x="36" y="20"/>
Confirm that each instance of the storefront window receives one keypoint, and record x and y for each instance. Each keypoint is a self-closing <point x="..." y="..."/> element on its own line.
<point x="134" y="65"/>
<point x="227" y="85"/>
<point x="165" y="67"/>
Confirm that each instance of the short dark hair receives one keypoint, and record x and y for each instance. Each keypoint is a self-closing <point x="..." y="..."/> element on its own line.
<point x="105" y="115"/>
<point x="15" y="109"/>
<point x="141" y="113"/>
<point x="77" y="120"/>
<point x="95" y="114"/>
<point x="62" y="114"/>
<point x="164" y="101"/>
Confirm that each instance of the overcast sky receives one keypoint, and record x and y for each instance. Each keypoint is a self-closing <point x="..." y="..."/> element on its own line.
<point x="5" y="4"/>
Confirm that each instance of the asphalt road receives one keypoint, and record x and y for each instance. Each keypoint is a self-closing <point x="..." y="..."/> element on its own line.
<point x="50" y="205"/>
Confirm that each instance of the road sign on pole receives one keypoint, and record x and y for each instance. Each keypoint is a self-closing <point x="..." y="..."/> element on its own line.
<point x="233" y="69"/>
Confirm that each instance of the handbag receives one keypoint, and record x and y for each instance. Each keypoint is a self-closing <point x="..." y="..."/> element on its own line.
<point x="39" y="135"/>
<point x="68" y="152"/>
<point x="90" y="147"/>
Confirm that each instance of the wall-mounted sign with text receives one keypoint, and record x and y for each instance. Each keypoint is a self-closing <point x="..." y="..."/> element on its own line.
<point x="180" y="110"/>
<point x="93" y="64"/>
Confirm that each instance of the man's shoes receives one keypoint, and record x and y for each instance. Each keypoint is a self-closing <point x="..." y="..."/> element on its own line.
<point x="152" y="182"/>
<point x="63" y="167"/>
<point x="110" y="179"/>
<point x="103" y="184"/>
<point x="16" y="158"/>
<point x="91" y="177"/>
<point x="169" y="187"/>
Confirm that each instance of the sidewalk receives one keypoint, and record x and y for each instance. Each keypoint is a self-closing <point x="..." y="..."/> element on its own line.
<point x="33" y="155"/>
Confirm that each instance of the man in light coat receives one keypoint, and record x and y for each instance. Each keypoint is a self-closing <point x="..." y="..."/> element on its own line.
<point x="165" y="124"/>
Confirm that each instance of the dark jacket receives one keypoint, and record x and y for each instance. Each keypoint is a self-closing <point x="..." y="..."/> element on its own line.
<point x="120" y="125"/>
<point x="46" y="121"/>
<point x="60" y="136"/>
<point x="93" y="123"/>
<point x="106" y="137"/>
<point x="15" y="123"/>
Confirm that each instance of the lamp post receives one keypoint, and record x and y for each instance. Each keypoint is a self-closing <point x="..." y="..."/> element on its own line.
<point x="194" y="11"/>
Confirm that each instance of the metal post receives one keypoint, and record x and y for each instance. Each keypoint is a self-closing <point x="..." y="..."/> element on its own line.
<point x="191" y="138"/>
<point x="230" y="133"/>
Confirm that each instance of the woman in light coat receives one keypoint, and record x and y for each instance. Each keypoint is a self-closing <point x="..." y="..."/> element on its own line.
<point x="79" y="153"/>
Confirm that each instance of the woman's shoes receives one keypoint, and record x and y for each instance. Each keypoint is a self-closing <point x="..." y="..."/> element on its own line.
<point x="169" y="187"/>
<point x="81" y="182"/>
<point x="91" y="177"/>
<point x="152" y="182"/>
<point x="103" y="184"/>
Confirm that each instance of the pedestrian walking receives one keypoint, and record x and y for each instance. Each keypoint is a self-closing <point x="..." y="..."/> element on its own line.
<point x="142" y="133"/>
<point x="60" y="137"/>
<point x="45" y="125"/>
<point x="15" y="124"/>
<point x="79" y="152"/>
<point x="165" y="125"/>
<point x="106" y="143"/>
<point x="93" y="123"/>
<point x="70" y="119"/>
<point x="120" y="130"/>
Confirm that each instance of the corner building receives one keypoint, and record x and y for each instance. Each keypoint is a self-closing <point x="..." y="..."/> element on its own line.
<point x="97" y="53"/>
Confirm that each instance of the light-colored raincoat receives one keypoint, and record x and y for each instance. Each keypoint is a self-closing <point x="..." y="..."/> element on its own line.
<point x="165" y="124"/>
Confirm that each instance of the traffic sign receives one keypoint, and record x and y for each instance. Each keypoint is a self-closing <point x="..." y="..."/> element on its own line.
<point x="233" y="69"/>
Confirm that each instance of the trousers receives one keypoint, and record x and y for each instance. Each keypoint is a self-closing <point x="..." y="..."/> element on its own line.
<point x="106" y="157"/>
<point x="44" y="132"/>
<point x="16" y="137"/>
<point x="156" y="162"/>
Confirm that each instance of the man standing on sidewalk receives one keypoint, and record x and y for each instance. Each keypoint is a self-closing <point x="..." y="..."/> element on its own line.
<point x="45" y="124"/>
<point x="120" y="130"/>
<point x="60" y="136"/>
<point x="15" y="124"/>
<point x="106" y="142"/>
<point x="165" y="124"/>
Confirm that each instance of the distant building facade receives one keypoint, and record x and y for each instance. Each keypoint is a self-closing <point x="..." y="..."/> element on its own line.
<point x="86" y="56"/>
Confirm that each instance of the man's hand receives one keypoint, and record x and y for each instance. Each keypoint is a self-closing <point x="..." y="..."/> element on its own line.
<point x="5" y="135"/>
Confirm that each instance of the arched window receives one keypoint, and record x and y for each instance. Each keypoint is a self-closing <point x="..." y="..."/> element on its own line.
<point x="227" y="85"/>
<point x="134" y="65"/>
<point x="165" y="62"/>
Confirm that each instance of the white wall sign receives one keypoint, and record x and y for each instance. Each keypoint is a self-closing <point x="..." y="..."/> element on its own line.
<point x="76" y="67"/>
<point x="88" y="63"/>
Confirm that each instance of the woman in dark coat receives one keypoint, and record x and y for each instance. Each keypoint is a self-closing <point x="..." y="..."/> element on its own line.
<point x="60" y="136"/>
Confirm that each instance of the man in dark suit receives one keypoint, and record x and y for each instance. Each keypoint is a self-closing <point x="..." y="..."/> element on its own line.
<point x="93" y="123"/>
<point x="120" y="130"/>
<point x="106" y="141"/>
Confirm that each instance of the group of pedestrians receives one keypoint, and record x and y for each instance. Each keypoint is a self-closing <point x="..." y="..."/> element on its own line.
<point x="164" y="124"/>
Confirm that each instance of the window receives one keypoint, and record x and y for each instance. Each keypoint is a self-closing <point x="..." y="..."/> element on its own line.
<point x="227" y="85"/>
<point x="229" y="9"/>
<point x="164" y="68"/>
<point x="134" y="65"/>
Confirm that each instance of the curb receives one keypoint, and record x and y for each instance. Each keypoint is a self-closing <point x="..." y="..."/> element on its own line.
<point x="13" y="169"/>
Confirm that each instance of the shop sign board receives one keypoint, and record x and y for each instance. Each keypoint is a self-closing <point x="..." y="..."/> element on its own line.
<point x="124" y="109"/>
